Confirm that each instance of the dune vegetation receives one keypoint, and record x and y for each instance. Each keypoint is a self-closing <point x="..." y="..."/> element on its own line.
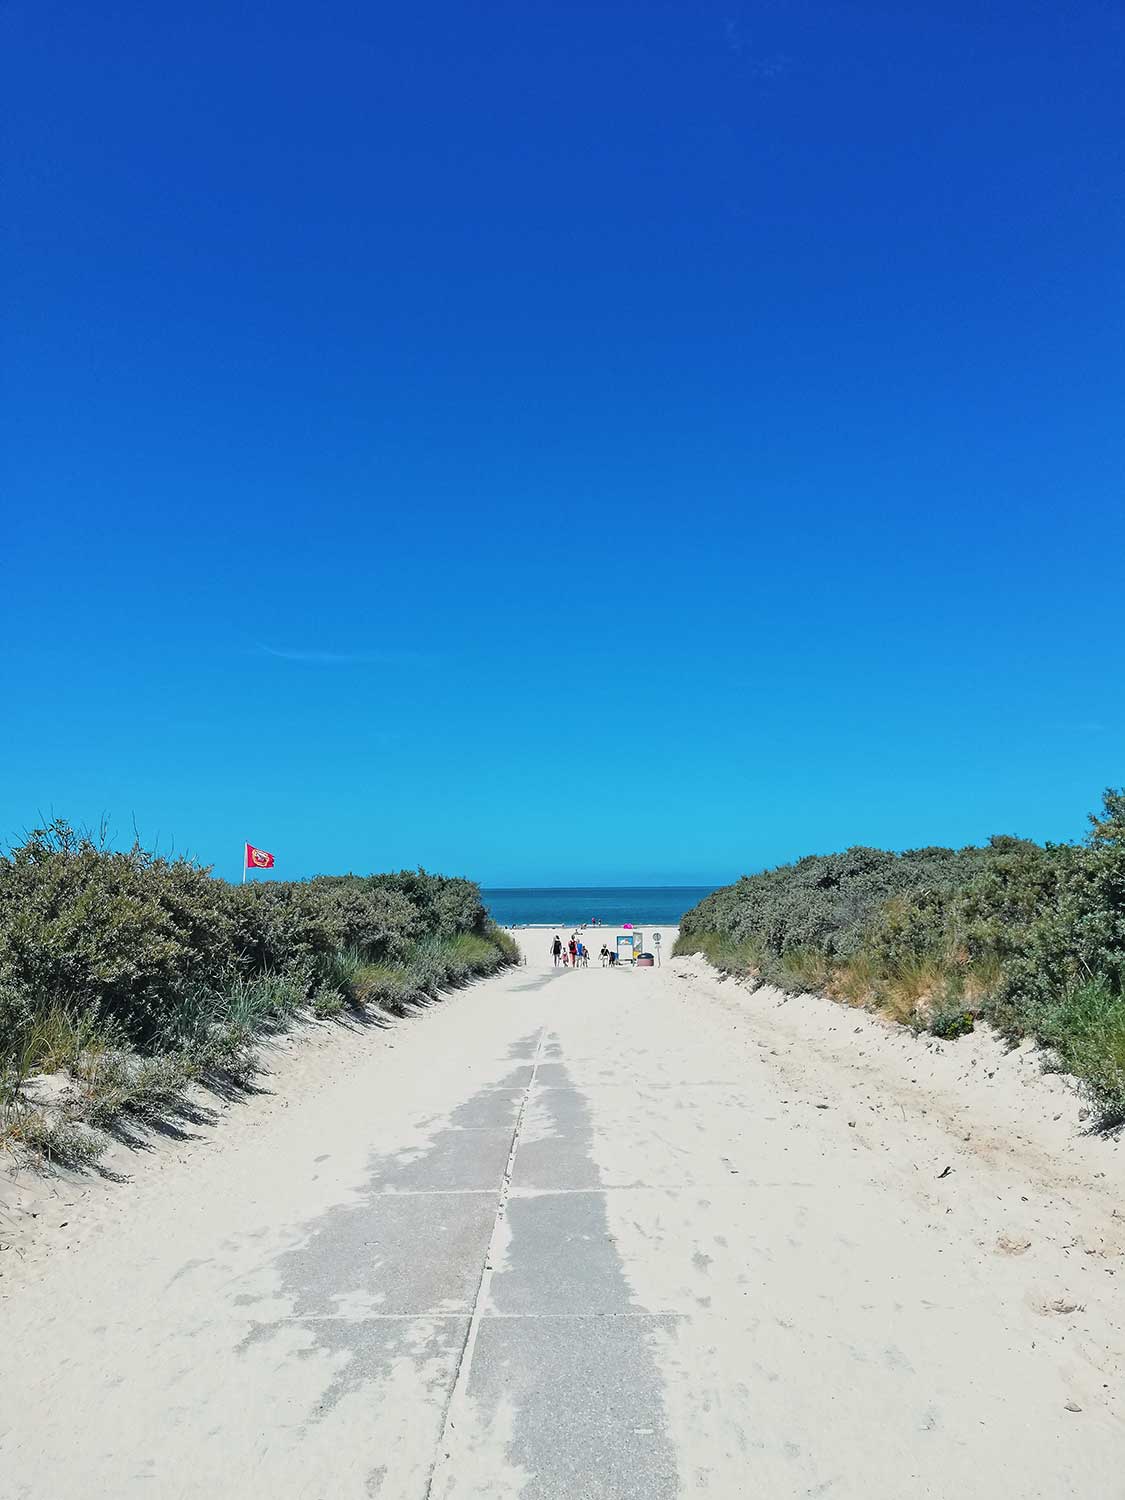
<point x="125" y="977"/>
<point x="1030" y="938"/>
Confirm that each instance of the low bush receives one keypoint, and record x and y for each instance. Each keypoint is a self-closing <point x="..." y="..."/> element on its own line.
<point x="121" y="1083"/>
<point x="1031" y="937"/>
<point x="504" y="943"/>
<point x="727" y="954"/>
<point x="326" y="1002"/>
<point x="950" y="1021"/>
<point x="54" y="1141"/>
<point x="386" y="987"/>
<point x="1085" y="1027"/>
<point x="141" y="975"/>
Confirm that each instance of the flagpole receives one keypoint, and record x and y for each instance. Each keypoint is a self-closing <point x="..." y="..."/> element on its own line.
<point x="244" y="864"/>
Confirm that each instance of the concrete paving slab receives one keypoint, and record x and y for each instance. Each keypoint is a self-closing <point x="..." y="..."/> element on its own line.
<point x="493" y="1107"/>
<point x="554" y="1161"/>
<point x="514" y="1078"/>
<point x="560" y="1258"/>
<point x="389" y="1253"/>
<point x="570" y="1409"/>
<point x="525" y="1048"/>
<point x="453" y="1159"/>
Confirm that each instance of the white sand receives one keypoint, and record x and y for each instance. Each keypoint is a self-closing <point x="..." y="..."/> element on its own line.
<point x="698" y="1282"/>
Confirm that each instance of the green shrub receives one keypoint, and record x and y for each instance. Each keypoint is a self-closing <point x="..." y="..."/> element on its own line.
<point x="327" y="1002"/>
<point x="1085" y="1026"/>
<point x="342" y="970"/>
<point x="505" y="944"/>
<point x="385" y="986"/>
<point x="951" y="1021"/>
<point x="119" y="934"/>
<point x="725" y="953"/>
<point x="165" y="956"/>
<point x="142" y="975"/>
<point x="434" y="964"/>
<point x="1031" y="937"/>
<point x="802" y="969"/>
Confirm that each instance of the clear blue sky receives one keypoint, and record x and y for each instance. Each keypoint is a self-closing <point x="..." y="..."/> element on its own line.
<point x="373" y="370"/>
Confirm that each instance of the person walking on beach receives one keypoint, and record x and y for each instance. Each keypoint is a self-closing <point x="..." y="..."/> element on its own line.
<point x="574" y="953"/>
<point x="556" y="950"/>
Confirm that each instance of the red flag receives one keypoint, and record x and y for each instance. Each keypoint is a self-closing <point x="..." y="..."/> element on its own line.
<point x="258" y="859"/>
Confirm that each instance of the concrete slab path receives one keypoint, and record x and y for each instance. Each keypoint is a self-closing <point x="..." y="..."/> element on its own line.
<point x="593" y="1234"/>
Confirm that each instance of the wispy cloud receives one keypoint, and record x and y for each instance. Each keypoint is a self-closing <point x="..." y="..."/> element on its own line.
<point x="317" y="658"/>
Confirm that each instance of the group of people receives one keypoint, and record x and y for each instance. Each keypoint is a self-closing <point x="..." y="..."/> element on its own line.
<point x="575" y="954"/>
<point x="570" y="955"/>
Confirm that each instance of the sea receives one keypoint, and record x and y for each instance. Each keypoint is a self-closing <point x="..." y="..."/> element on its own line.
<point x="567" y="906"/>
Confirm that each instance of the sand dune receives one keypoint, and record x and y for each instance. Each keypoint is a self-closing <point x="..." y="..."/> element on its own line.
<point x="585" y="1234"/>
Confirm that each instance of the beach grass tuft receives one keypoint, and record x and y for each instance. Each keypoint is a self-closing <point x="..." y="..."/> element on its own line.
<point x="53" y="1140"/>
<point x="1085" y="1028"/>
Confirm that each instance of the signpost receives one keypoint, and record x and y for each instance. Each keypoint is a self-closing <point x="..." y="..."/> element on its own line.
<point x="656" y="941"/>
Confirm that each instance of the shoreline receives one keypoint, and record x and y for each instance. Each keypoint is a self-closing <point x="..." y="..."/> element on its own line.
<point x="640" y="926"/>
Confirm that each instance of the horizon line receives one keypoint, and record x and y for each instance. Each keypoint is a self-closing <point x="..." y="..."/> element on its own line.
<point x="685" y="885"/>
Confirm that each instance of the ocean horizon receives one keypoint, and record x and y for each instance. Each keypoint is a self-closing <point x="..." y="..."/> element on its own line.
<point x="531" y="906"/>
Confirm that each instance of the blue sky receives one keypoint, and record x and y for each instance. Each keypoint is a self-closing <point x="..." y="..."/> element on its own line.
<point x="563" y="442"/>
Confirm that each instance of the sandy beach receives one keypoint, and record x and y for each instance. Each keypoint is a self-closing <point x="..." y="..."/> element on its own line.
<point x="638" y="1233"/>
